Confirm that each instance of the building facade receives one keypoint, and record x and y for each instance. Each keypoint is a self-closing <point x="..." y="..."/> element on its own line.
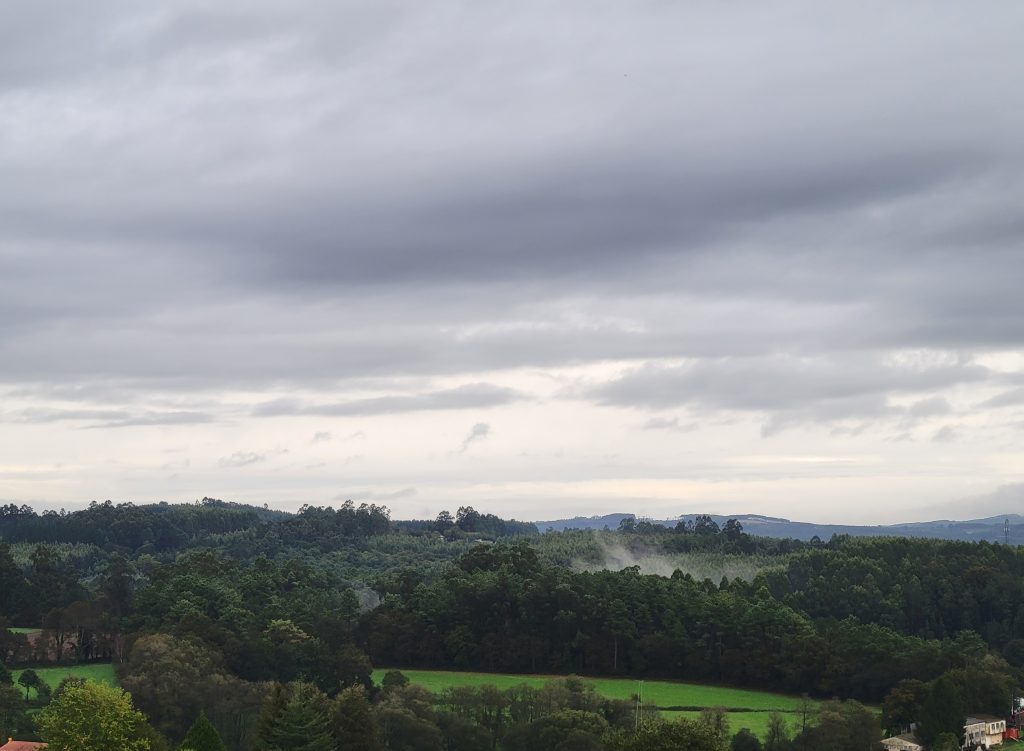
<point x="983" y="731"/>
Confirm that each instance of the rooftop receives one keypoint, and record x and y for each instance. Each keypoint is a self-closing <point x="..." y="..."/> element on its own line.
<point x="910" y="737"/>
<point x="13" y="745"/>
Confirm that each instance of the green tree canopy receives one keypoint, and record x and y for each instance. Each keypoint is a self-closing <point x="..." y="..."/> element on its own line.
<point x="716" y="718"/>
<point x="944" y="711"/>
<point x="29" y="679"/>
<point x="13" y="716"/>
<point x="407" y="720"/>
<point x="352" y="720"/>
<point x="902" y="705"/>
<point x="680" y="735"/>
<point x="394" y="679"/>
<point x="841" y="726"/>
<point x="93" y="717"/>
<point x="745" y="740"/>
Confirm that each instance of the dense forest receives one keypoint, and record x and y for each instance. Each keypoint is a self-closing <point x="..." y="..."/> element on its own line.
<point x="258" y="622"/>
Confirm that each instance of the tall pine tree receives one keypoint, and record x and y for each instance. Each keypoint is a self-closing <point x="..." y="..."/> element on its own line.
<point x="943" y="711"/>
<point x="202" y="736"/>
<point x="295" y="718"/>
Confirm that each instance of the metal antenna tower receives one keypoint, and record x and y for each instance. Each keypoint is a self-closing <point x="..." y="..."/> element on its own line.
<point x="1006" y="530"/>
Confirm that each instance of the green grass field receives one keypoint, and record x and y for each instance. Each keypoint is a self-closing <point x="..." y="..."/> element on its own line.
<point x="660" y="693"/>
<point x="755" y="722"/>
<point x="22" y="630"/>
<point x="99" y="672"/>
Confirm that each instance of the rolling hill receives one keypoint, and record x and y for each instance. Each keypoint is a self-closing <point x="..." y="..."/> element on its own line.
<point x="990" y="528"/>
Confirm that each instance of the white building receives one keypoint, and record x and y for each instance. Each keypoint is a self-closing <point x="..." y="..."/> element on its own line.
<point x="983" y="731"/>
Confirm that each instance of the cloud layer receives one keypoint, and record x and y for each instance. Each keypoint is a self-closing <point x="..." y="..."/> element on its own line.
<point x="742" y="225"/>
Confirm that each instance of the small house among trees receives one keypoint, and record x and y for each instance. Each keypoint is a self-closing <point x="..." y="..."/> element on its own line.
<point x="904" y="742"/>
<point x="983" y="731"/>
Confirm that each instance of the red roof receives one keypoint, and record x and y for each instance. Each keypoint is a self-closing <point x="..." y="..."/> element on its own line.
<point x="22" y="746"/>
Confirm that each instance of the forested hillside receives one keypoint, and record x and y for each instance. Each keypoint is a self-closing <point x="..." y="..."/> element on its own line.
<point x="991" y="529"/>
<point x="240" y="613"/>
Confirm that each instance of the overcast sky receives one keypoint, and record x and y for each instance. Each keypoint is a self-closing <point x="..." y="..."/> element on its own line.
<point x="542" y="258"/>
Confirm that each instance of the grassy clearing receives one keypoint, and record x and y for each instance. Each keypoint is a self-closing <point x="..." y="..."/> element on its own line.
<point x="99" y="672"/>
<point x="671" y="694"/>
<point x="760" y="704"/>
<point x="661" y="693"/>
<point x="23" y="630"/>
<point x="755" y="722"/>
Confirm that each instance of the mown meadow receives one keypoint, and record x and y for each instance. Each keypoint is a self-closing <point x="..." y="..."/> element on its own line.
<point x="102" y="672"/>
<point x="746" y="708"/>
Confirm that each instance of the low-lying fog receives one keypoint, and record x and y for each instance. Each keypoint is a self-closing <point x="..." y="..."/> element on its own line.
<point x="714" y="566"/>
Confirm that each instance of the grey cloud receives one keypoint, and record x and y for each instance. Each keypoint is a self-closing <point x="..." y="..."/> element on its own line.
<point x="791" y="390"/>
<point x="468" y="396"/>
<point x="946" y="434"/>
<point x="777" y="382"/>
<point x="1005" y="497"/>
<point x="1004" y="500"/>
<point x="112" y="418"/>
<point x="670" y="424"/>
<point x="477" y="433"/>
<point x="344" y="206"/>
<point x="1012" y="398"/>
<point x="867" y="407"/>
<point x="322" y="436"/>
<point x="923" y="410"/>
<point x="242" y="459"/>
<point x="158" y="418"/>
<point x="934" y="407"/>
<point x="76" y="392"/>
<point x="44" y="415"/>
<point x="294" y="181"/>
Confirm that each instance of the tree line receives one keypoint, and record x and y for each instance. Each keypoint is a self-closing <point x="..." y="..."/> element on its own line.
<point x="234" y="601"/>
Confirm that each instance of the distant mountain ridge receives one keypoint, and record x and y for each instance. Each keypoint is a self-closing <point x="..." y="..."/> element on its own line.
<point x="990" y="528"/>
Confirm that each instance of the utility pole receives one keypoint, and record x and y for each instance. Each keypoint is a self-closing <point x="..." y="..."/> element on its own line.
<point x="639" y="704"/>
<point x="1006" y="531"/>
